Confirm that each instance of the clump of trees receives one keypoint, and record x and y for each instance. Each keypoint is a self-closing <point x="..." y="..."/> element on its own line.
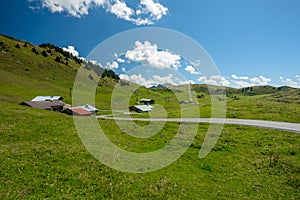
<point x="2" y="45"/>
<point x="250" y="89"/>
<point x="102" y="72"/>
<point x="200" y="96"/>
<point x="44" y="53"/>
<point x="61" y="51"/>
<point x="59" y="59"/>
<point x="110" y="74"/>
<point x="34" y="51"/>
<point x="18" y="46"/>
<point x="124" y="83"/>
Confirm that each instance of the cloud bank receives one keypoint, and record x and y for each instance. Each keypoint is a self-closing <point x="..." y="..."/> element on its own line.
<point x="148" y="54"/>
<point x="234" y="81"/>
<point x="146" y="12"/>
<point x="191" y="69"/>
<point x="290" y="82"/>
<point x="155" y="80"/>
<point x="214" y="80"/>
<point x="112" y="66"/>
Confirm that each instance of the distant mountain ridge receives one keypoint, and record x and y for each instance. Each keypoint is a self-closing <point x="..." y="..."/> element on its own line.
<point x="281" y="94"/>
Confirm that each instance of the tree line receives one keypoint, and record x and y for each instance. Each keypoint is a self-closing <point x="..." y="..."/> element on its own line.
<point x="67" y="55"/>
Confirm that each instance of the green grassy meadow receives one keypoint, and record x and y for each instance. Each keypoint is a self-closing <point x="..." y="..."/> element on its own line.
<point x="42" y="156"/>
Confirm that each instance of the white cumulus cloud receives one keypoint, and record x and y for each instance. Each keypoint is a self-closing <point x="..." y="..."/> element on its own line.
<point x="154" y="80"/>
<point x="239" y="77"/>
<point x="155" y="9"/>
<point x="124" y="77"/>
<point x="146" y="11"/>
<point x="137" y="78"/>
<point x="94" y="62"/>
<point x="164" y="80"/>
<point x="76" y="8"/>
<point x="241" y="84"/>
<point x="113" y="65"/>
<point x="244" y="81"/>
<point x="196" y="63"/>
<point x="186" y="82"/>
<point x="120" y="60"/>
<point x="148" y="54"/>
<point x="290" y="82"/>
<point x="191" y="69"/>
<point x="261" y="80"/>
<point x="215" y="80"/>
<point x="71" y="50"/>
<point x="121" y="10"/>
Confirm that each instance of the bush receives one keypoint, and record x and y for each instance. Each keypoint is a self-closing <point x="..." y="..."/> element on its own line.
<point x="62" y="52"/>
<point x="58" y="59"/>
<point x="18" y="46"/>
<point x="35" y="51"/>
<point x="200" y="96"/>
<point x="44" y="53"/>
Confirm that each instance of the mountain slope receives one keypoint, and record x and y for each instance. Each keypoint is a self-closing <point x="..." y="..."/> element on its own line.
<point x="26" y="71"/>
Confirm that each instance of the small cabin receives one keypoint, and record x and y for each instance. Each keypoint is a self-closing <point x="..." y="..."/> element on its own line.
<point x="77" y="111"/>
<point x="45" y="105"/>
<point x="86" y="110"/>
<point x="141" y="108"/>
<point x="47" y="98"/>
<point x="147" y="101"/>
<point x="91" y="109"/>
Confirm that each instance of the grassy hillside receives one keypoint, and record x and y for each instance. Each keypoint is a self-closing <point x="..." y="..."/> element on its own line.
<point x="279" y="106"/>
<point x="25" y="74"/>
<point x="278" y="92"/>
<point x="42" y="156"/>
<point x="287" y="95"/>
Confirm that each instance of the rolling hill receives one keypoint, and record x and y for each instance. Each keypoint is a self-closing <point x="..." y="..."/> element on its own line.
<point x="28" y="70"/>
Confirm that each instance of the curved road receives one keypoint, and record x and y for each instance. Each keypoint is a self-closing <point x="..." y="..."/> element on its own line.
<point x="285" y="126"/>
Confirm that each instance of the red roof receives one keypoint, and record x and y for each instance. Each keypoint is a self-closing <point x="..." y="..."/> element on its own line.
<point x="80" y="111"/>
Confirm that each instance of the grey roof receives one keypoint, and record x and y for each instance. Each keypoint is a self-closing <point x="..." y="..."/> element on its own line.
<point x="89" y="108"/>
<point x="47" y="105"/>
<point x="144" y="108"/>
<point x="47" y="98"/>
<point x="146" y="100"/>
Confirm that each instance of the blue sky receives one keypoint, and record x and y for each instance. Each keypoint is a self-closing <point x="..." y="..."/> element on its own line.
<point x="251" y="41"/>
